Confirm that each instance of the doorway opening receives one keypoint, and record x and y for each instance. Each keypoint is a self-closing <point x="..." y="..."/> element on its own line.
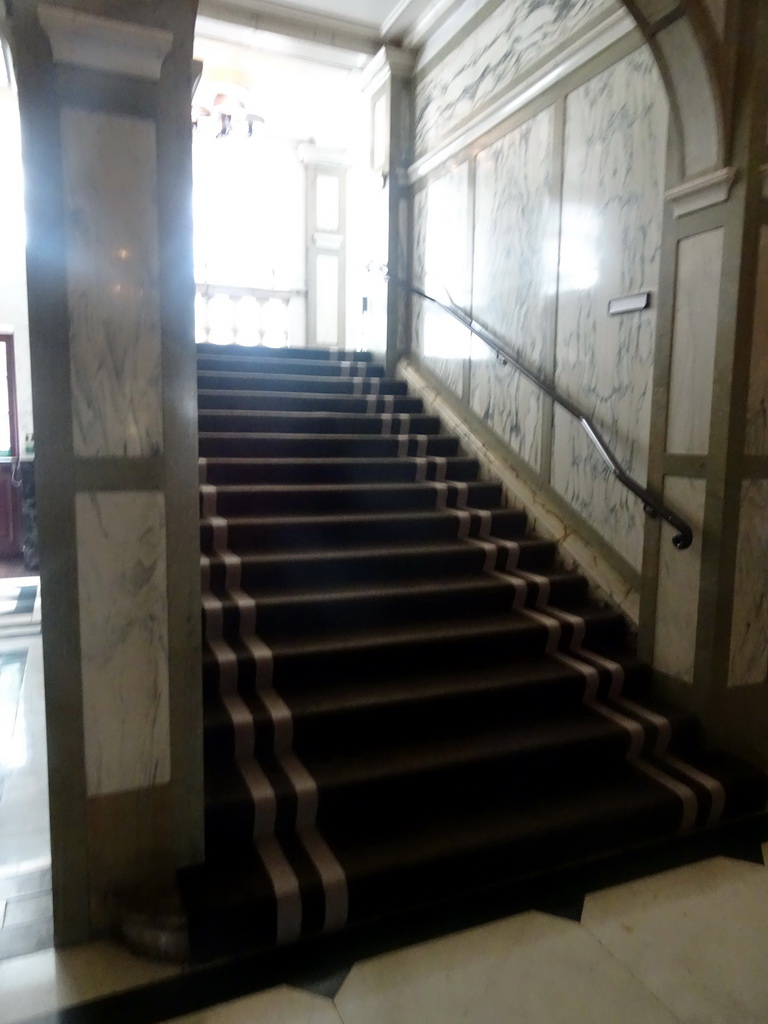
<point x="26" y="913"/>
<point x="281" y="175"/>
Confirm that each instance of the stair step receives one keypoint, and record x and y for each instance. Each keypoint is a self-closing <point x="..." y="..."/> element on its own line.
<point x="258" y="573"/>
<point x="357" y="603"/>
<point x="308" y="568"/>
<point x="336" y="471"/>
<point x="325" y="499"/>
<point x="349" y="716"/>
<point x="362" y="607"/>
<point x="283" y="401"/>
<point x="249" y="534"/>
<point x="286" y="352"/>
<point x="260" y="445"/>
<point x="442" y="858"/>
<point x="398" y="683"/>
<point x="416" y="646"/>
<point x="269" y="380"/>
<point x="236" y="363"/>
<point x="382" y="788"/>
<point x="266" y="421"/>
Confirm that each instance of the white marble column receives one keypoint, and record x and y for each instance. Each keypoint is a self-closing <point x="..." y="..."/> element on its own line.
<point x="105" y="116"/>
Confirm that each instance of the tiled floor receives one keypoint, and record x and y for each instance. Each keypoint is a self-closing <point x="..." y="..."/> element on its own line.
<point x="687" y="945"/>
<point x="25" y="857"/>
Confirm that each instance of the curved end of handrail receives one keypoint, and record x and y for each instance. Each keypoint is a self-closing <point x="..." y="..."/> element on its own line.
<point x="683" y="539"/>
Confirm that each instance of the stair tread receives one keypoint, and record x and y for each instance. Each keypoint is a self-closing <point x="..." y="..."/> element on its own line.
<point x="508" y="623"/>
<point x="577" y="728"/>
<point x="362" y="517"/>
<point x="383" y="552"/>
<point x="363" y="591"/>
<point x="407" y="688"/>
<point x="467" y="580"/>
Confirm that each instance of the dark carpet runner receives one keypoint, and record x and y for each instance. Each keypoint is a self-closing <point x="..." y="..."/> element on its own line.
<point x="405" y="697"/>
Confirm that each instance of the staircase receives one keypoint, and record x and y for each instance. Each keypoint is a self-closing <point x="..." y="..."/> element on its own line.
<point x="405" y="697"/>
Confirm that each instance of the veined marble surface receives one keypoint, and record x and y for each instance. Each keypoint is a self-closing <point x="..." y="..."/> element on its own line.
<point x="697" y="294"/>
<point x="124" y="639"/>
<point x="110" y="171"/>
<point x="512" y="40"/>
<point x="442" y="268"/>
<point x="757" y="408"/>
<point x="677" y="609"/>
<point x="749" y="624"/>
<point x="515" y="279"/>
<point x="613" y="188"/>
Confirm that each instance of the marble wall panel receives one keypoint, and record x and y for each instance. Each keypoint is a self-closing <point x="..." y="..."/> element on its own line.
<point x="613" y="187"/>
<point x="442" y="267"/>
<point x="697" y="291"/>
<point x="749" y="626"/>
<point x="124" y="639"/>
<point x="512" y="40"/>
<point x="515" y="278"/>
<point x="110" y="171"/>
<point x="757" y="408"/>
<point x="678" y="583"/>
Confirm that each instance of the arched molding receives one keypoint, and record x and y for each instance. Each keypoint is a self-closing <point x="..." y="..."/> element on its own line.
<point x="686" y="42"/>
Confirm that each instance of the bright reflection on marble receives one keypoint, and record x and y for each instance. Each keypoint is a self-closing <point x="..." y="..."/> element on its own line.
<point x="613" y="190"/>
<point x="441" y="267"/>
<point x="515" y="278"/>
<point x="110" y="172"/>
<point x="579" y="248"/>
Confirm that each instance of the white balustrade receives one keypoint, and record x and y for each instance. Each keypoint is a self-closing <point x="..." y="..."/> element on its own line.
<point x="229" y="315"/>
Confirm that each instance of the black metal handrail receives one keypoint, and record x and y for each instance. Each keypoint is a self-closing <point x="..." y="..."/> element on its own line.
<point x="652" y="506"/>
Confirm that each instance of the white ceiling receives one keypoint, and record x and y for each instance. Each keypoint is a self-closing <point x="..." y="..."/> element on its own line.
<point x="355" y="24"/>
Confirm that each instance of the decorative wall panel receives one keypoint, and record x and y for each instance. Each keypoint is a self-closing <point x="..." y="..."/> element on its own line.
<point x="757" y="409"/>
<point x="442" y="268"/>
<point x="679" y="575"/>
<point x="511" y="41"/>
<point x="124" y="639"/>
<point x="110" y="171"/>
<point x="749" y="627"/>
<point x="615" y="147"/>
<point x="515" y="278"/>
<point x="697" y="293"/>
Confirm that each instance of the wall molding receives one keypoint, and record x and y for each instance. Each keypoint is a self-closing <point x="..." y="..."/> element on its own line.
<point x="702" y="191"/>
<point x="104" y="44"/>
<point x="570" y="59"/>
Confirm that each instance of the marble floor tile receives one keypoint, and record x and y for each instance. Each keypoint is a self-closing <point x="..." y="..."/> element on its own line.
<point x="21" y="852"/>
<point x="20" y="940"/>
<point x="23" y="884"/>
<point x="280" y="1005"/>
<point x="45" y="981"/>
<point x="696" y="937"/>
<point x="30" y="907"/>
<point x="529" y="969"/>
